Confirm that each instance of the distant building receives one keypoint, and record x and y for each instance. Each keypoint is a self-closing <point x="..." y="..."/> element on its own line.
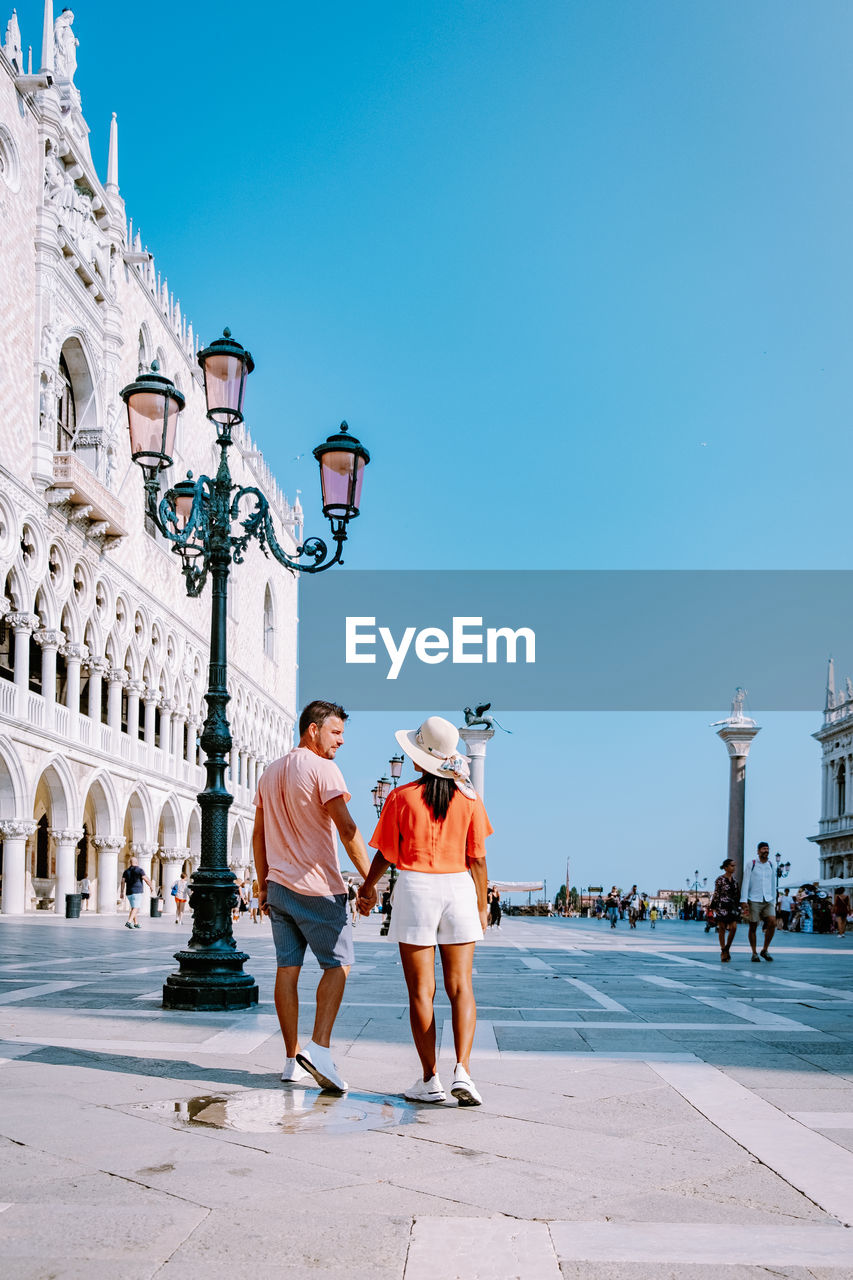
<point x="103" y="658"/>
<point x="835" y="830"/>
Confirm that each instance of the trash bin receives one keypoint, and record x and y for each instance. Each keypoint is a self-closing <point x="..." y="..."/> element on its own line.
<point x="156" y="908"/>
<point x="73" y="903"/>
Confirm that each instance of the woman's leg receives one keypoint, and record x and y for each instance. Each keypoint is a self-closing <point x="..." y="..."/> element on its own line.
<point x="731" y="937"/>
<point x="457" y="962"/>
<point x="419" y="972"/>
<point x="721" y="933"/>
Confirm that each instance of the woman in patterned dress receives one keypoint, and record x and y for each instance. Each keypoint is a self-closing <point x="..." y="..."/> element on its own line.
<point x="725" y="903"/>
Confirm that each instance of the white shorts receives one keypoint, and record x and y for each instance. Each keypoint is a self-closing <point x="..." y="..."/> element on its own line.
<point x="434" y="909"/>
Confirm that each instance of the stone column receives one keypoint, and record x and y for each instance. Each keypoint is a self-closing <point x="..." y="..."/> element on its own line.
<point x="97" y="670"/>
<point x="108" y="848"/>
<point x="50" y="642"/>
<point x="15" y="833"/>
<point x="235" y="767"/>
<point x="22" y="624"/>
<point x="143" y="853"/>
<point x="166" y="730"/>
<point x="178" y="720"/>
<point x="74" y="655"/>
<point x="173" y="861"/>
<point x="66" y="871"/>
<point x="135" y="688"/>
<point x="118" y="679"/>
<point x="476" y="741"/>
<point x="150" y="698"/>
<point x="738" y="736"/>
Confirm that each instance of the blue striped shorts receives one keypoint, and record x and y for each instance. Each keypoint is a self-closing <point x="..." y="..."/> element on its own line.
<point x="301" y="920"/>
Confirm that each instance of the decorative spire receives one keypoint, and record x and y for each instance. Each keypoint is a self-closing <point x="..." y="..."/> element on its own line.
<point x="112" y="164"/>
<point x="47" y="38"/>
<point x="830" y="685"/>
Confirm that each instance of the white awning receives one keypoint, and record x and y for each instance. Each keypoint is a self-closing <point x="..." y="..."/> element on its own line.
<point x="518" y="886"/>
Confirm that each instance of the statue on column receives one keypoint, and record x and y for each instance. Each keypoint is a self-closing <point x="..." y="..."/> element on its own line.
<point x="478" y="717"/>
<point x="65" y="47"/>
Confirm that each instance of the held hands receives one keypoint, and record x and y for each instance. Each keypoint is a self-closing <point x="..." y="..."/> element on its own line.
<point x="366" y="901"/>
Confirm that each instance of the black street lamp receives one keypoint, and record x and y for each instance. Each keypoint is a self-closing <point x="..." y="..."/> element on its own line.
<point x="695" y="885"/>
<point x="197" y="517"/>
<point x="380" y="794"/>
<point x="783" y="870"/>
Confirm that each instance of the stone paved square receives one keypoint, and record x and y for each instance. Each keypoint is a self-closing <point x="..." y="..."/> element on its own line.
<point x="647" y="1113"/>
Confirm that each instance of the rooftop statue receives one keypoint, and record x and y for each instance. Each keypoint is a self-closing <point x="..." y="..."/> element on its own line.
<point x="65" y="46"/>
<point x="478" y="717"/>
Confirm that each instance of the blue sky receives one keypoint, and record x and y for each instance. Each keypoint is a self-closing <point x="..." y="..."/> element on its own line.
<point x="579" y="275"/>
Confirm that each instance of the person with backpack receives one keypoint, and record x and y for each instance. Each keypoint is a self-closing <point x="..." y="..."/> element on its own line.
<point x="758" y="899"/>
<point x="179" y="893"/>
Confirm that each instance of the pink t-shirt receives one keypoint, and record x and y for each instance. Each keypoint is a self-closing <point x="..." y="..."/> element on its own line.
<point x="301" y="839"/>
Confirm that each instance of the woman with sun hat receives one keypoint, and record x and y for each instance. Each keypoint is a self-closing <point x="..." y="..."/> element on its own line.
<point x="434" y="831"/>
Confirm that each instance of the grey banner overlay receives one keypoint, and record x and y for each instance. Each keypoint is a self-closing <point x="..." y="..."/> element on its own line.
<point x="608" y="640"/>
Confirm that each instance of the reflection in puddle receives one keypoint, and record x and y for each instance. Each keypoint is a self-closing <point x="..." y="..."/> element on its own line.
<point x="291" y="1110"/>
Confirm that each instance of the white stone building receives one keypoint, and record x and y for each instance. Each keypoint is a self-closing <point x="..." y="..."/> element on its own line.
<point x="103" y="658"/>
<point x="835" y="832"/>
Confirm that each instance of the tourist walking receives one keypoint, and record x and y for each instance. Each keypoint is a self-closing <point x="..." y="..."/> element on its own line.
<point x="434" y="831"/>
<point x="85" y="891"/>
<point x="301" y="810"/>
<point x="841" y="910"/>
<point x="725" y="904"/>
<point x="132" y="880"/>
<point x="783" y="909"/>
<point x="180" y="893"/>
<point x="758" y="899"/>
<point x="611" y="906"/>
<point x="634" y="907"/>
<point x="495" y="912"/>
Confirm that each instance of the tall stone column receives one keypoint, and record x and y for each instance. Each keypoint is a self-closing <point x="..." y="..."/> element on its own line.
<point x="74" y="655"/>
<point x="22" y="624"/>
<point x="143" y="853"/>
<point x="50" y="642"/>
<point x="173" y="861"/>
<point x="117" y="678"/>
<point x="66" y="871"/>
<point x="108" y="848"/>
<point x="476" y="741"/>
<point x="15" y="833"/>
<point x="737" y="733"/>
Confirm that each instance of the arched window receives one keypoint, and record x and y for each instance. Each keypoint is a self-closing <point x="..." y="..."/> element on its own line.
<point x="66" y="420"/>
<point x="269" y="624"/>
<point x="42" y="859"/>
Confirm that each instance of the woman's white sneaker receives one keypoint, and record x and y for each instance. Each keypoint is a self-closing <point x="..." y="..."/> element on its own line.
<point x="426" y="1091"/>
<point x="463" y="1088"/>
<point x="317" y="1059"/>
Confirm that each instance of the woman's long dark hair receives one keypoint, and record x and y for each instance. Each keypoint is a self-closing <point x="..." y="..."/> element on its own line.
<point x="438" y="792"/>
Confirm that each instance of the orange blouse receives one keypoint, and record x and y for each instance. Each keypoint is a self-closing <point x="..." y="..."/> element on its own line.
<point x="408" y="836"/>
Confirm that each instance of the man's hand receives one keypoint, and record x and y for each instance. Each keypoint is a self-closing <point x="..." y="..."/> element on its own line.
<point x="365" y="901"/>
<point x="262" y="900"/>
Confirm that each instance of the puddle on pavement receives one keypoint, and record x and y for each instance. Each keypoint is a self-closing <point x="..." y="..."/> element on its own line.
<point x="291" y="1110"/>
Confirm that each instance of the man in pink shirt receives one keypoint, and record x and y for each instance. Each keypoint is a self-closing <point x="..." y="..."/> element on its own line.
<point x="301" y="811"/>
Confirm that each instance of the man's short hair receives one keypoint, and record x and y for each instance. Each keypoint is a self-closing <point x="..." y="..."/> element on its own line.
<point x="318" y="713"/>
<point x="762" y="844"/>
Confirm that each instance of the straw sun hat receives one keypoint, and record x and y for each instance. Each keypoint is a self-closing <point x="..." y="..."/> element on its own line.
<point x="433" y="749"/>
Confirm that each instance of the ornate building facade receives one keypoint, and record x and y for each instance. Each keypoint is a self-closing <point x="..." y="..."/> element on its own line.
<point x="835" y="832"/>
<point x="103" y="658"/>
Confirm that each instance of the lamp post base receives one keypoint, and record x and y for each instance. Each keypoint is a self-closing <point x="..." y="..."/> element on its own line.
<point x="210" y="980"/>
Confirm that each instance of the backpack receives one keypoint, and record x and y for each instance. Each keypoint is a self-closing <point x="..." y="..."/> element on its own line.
<point x="175" y="889"/>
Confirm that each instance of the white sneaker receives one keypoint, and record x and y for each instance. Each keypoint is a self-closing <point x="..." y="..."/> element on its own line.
<point x="463" y="1088"/>
<point x="430" y="1090"/>
<point x="293" y="1071"/>
<point x="317" y="1059"/>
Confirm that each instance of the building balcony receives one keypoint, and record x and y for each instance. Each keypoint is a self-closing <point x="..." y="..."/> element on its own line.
<point x="91" y="501"/>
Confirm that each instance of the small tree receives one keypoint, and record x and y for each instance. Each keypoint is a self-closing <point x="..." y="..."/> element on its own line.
<point x="560" y="900"/>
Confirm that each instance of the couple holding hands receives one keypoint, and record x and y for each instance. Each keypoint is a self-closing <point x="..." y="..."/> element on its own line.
<point x="433" y="830"/>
